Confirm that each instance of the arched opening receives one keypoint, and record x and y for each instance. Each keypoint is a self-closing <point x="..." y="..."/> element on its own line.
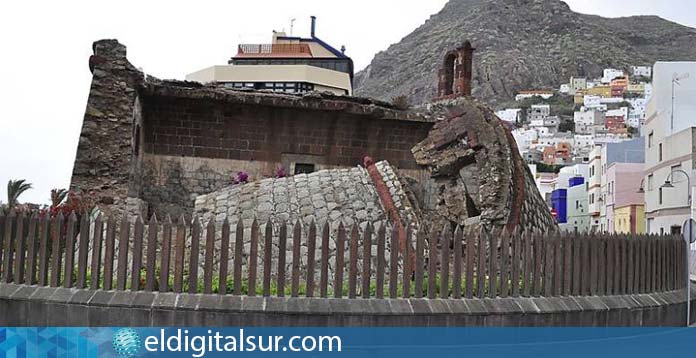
<point x="448" y="72"/>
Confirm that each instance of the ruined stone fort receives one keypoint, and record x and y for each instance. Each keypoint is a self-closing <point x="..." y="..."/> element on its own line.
<point x="172" y="148"/>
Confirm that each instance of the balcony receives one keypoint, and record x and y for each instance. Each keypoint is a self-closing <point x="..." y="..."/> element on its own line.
<point x="273" y="50"/>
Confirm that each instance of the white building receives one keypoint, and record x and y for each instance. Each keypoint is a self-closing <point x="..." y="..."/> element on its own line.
<point x="586" y="120"/>
<point x="288" y="64"/>
<point x="670" y="146"/>
<point x="577" y="84"/>
<point x="512" y="115"/>
<point x="564" y="89"/>
<point x="636" y="115"/>
<point x="611" y="73"/>
<point x="619" y="112"/>
<point x="538" y="112"/>
<point x="582" y="142"/>
<point x="591" y="101"/>
<point x="525" y="138"/>
<point x="644" y="71"/>
<point x="522" y="95"/>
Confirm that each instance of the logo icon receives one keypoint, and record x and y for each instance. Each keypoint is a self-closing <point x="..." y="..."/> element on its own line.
<point x="126" y="342"/>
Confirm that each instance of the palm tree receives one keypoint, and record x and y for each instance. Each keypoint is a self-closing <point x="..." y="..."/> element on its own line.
<point x="57" y="196"/>
<point x="15" y="188"/>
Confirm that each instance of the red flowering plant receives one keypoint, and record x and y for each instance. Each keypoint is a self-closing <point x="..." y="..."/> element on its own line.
<point x="280" y="172"/>
<point x="242" y="178"/>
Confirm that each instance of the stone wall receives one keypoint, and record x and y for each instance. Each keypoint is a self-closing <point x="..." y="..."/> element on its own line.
<point x="48" y="306"/>
<point x="479" y="175"/>
<point x="337" y="195"/>
<point x="103" y="160"/>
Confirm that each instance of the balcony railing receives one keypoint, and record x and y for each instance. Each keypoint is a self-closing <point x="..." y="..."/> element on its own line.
<point x="274" y="49"/>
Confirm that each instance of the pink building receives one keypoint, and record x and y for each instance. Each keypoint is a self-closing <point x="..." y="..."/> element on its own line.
<point x="624" y="204"/>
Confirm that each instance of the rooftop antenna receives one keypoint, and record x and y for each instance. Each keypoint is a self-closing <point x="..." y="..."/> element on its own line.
<point x="292" y="25"/>
<point x="675" y="81"/>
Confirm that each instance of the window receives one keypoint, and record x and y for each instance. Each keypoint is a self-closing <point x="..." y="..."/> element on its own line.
<point x="650" y="182"/>
<point x="650" y="139"/>
<point x="304" y="168"/>
<point x="659" y="152"/>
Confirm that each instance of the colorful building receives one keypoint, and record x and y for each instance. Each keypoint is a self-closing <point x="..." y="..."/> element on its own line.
<point x="629" y="219"/>
<point x="602" y="91"/>
<point x="623" y="194"/>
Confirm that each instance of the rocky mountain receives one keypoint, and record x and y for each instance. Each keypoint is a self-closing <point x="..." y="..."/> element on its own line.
<point x="520" y="44"/>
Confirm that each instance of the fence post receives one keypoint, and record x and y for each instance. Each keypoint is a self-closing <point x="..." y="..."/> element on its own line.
<point x="165" y="254"/>
<point x="324" y="264"/>
<point x="208" y="256"/>
<point x="152" y="231"/>
<point x="446" y="237"/>
<point x="420" y="262"/>
<point x="516" y="262"/>
<point x="30" y="277"/>
<point x="367" y="260"/>
<point x="7" y="247"/>
<point x="20" y="250"/>
<point x="179" y="252"/>
<point x="493" y="261"/>
<point x="43" y="248"/>
<point x="69" y="250"/>
<point x="340" y="250"/>
<point x="224" y="257"/>
<point x="527" y="274"/>
<point x="457" y="263"/>
<point x="238" y="257"/>
<point x="481" y="271"/>
<point x="393" y="260"/>
<point x="549" y="274"/>
<point x="504" y="264"/>
<point x="470" y="261"/>
<point x="381" y="234"/>
<point x="407" y="263"/>
<point x="56" y="253"/>
<point x="353" y="263"/>
<point x="253" y="257"/>
<point x="432" y="263"/>
<point x="311" y="252"/>
<point x="109" y="253"/>
<point x="296" y="263"/>
<point x="568" y="263"/>
<point x="267" y="257"/>
<point x="539" y="262"/>
<point x="282" y="247"/>
<point x="137" y="253"/>
<point x="82" y="249"/>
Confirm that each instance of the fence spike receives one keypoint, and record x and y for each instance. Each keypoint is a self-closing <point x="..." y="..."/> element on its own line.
<point x="224" y="256"/>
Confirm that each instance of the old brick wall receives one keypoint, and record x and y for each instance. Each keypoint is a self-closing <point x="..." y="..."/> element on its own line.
<point x="194" y="146"/>
<point x="218" y="130"/>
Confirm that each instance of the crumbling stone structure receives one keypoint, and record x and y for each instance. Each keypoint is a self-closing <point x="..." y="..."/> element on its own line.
<point x="480" y="178"/>
<point x="454" y="78"/>
<point x="150" y="146"/>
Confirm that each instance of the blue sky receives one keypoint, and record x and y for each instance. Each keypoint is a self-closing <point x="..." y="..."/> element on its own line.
<point x="46" y="45"/>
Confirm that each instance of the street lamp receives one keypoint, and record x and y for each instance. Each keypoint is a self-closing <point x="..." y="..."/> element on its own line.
<point x="667" y="185"/>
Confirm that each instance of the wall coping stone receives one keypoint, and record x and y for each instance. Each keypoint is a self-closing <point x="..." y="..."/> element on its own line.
<point x="606" y="309"/>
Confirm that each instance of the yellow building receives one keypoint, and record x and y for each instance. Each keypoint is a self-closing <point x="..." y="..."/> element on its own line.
<point x="288" y="64"/>
<point x="629" y="219"/>
<point x="579" y="97"/>
<point x="602" y="91"/>
<point x="636" y="88"/>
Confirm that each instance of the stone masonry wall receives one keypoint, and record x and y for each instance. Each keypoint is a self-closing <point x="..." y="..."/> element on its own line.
<point x="337" y="195"/>
<point x="103" y="160"/>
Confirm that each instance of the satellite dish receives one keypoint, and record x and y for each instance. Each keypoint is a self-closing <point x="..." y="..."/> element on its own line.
<point x="687" y="230"/>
